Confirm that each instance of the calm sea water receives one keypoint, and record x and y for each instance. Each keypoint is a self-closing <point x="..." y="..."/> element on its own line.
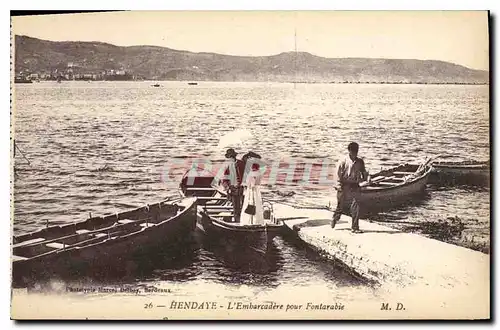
<point x="71" y="131"/>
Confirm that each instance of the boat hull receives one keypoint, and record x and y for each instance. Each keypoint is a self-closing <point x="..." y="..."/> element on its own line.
<point x="110" y="255"/>
<point x="461" y="173"/>
<point x="258" y="237"/>
<point x="392" y="196"/>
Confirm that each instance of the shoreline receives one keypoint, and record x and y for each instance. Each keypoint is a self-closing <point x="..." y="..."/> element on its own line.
<point x="262" y="81"/>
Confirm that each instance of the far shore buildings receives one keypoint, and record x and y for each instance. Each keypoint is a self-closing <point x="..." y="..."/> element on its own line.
<point x="73" y="71"/>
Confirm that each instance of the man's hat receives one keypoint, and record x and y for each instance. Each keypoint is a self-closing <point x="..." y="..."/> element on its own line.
<point x="230" y="153"/>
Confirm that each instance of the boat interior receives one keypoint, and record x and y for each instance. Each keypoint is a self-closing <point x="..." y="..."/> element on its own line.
<point x="395" y="176"/>
<point x="218" y="207"/>
<point x="92" y="231"/>
<point x="213" y="203"/>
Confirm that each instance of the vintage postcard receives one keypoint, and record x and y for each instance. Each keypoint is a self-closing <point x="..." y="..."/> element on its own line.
<point x="221" y="165"/>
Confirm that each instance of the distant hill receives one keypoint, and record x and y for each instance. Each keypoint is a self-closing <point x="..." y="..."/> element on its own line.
<point x="151" y="62"/>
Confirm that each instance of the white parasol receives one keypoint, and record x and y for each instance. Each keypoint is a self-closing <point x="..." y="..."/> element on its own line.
<point x="242" y="140"/>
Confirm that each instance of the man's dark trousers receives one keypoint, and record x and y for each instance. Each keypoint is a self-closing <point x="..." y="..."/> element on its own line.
<point x="348" y="195"/>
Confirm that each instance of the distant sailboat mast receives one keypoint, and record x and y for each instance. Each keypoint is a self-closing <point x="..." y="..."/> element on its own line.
<point x="295" y="40"/>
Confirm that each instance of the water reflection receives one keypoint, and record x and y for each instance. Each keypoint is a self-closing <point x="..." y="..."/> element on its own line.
<point x="241" y="264"/>
<point x="304" y="263"/>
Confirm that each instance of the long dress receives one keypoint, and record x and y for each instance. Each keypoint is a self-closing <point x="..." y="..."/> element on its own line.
<point x="253" y="196"/>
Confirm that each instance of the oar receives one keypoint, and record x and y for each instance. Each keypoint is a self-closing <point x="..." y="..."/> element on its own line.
<point x="432" y="159"/>
<point x="427" y="162"/>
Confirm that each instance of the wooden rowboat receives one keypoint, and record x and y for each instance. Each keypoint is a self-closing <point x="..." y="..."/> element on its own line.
<point x="217" y="221"/>
<point x="215" y="215"/>
<point x="99" y="241"/>
<point x="471" y="172"/>
<point x="395" y="186"/>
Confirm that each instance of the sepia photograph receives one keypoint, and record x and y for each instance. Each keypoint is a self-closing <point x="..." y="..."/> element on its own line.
<point x="250" y="165"/>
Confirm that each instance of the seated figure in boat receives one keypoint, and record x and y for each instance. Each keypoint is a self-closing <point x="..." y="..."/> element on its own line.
<point x="252" y="211"/>
<point x="234" y="175"/>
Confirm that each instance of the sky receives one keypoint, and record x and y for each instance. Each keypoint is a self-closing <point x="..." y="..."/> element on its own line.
<point x="459" y="37"/>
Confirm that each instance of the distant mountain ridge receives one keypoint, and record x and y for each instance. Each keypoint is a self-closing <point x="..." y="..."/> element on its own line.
<point x="160" y="63"/>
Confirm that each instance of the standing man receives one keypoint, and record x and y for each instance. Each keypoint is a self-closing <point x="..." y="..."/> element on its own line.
<point x="236" y="171"/>
<point x="350" y="172"/>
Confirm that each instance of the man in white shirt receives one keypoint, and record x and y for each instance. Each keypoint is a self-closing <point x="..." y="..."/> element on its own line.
<point x="350" y="172"/>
